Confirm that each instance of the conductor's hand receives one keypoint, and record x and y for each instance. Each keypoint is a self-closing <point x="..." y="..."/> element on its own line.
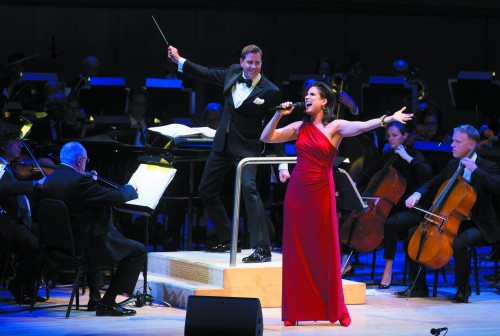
<point x="284" y="175"/>
<point x="413" y="199"/>
<point x="287" y="108"/>
<point x="173" y="54"/>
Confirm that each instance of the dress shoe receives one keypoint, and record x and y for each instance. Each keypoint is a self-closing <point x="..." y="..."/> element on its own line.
<point x="492" y="277"/>
<point x="416" y="292"/>
<point x="92" y="304"/>
<point x="15" y="290"/>
<point x="290" y="323"/>
<point x="222" y="247"/>
<point x="261" y="254"/>
<point x="462" y="295"/>
<point x="113" y="310"/>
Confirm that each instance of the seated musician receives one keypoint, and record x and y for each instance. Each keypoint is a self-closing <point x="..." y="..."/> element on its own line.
<point x="15" y="217"/>
<point x="413" y="168"/>
<point x="102" y="243"/>
<point x="483" y="226"/>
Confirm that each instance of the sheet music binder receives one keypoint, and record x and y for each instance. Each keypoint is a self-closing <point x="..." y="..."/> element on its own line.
<point x="348" y="197"/>
<point x="151" y="182"/>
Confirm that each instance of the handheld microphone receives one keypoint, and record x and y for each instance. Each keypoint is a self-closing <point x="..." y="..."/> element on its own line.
<point x="437" y="331"/>
<point x="299" y="105"/>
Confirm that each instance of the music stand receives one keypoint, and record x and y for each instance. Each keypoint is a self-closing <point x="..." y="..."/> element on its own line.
<point x="348" y="197"/>
<point x="154" y="179"/>
<point x="478" y="93"/>
<point x="31" y="94"/>
<point x="168" y="99"/>
<point x="105" y="96"/>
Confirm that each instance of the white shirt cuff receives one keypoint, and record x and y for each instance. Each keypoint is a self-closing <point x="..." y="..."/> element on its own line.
<point x="283" y="166"/>
<point x="180" y="64"/>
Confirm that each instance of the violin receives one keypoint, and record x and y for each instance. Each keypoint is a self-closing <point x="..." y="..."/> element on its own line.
<point x="363" y="231"/>
<point x="25" y="168"/>
<point x="431" y="244"/>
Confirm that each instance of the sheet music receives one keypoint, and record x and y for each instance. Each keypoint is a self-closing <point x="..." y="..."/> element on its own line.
<point x="151" y="182"/>
<point x="180" y="130"/>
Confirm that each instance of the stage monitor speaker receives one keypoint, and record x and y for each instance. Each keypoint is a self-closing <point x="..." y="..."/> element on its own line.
<point x="223" y="316"/>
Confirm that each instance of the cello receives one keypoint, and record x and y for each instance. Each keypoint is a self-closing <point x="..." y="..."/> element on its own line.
<point x="364" y="231"/>
<point x="431" y="243"/>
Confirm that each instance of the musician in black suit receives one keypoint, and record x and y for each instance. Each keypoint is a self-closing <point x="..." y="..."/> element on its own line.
<point x="15" y="216"/>
<point x="248" y="98"/>
<point x="88" y="204"/>
<point x="483" y="225"/>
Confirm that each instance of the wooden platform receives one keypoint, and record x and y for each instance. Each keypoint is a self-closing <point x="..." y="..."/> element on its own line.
<point x="173" y="276"/>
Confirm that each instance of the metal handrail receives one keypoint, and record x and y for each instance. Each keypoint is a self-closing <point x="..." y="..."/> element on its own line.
<point x="237" y="194"/>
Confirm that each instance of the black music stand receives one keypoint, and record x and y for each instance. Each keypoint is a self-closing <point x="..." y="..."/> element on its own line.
<point x="348" y="197"/>
<point x="476" y="94"/>
<point x="385" y="95"/>
<point x="147" y="211"/>
<point x="105" y="96"/>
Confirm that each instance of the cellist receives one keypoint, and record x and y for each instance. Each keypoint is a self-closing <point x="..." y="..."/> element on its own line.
<point x="482" y="224"/>
<point x="412" y="166"/>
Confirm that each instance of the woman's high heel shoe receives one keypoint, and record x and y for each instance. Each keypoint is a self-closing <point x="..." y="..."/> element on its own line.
<point x="380" y="286"/>
<point x="289" y="323"/>
<point x="346" y="321"/>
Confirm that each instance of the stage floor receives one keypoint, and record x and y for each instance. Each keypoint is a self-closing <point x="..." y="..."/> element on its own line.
<point x="383" y="313"/>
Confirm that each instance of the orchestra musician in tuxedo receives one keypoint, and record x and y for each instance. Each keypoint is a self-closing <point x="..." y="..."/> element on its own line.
<point x="248" y="100"/>
<point x="88" y="203"/>
<point x="483" y="225"/>
<point x="16" y="229"/>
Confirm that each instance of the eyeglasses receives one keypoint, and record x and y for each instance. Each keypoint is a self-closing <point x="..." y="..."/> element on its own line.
<point x="87" y="160"/>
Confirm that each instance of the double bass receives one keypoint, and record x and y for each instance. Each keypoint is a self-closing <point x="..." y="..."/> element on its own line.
<point x="431" y="243"/>
<point x="364" y="231"/>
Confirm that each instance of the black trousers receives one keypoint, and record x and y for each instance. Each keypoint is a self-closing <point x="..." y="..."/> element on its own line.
<point x="126" y="274"/>
<point x="216" y="168"/>
<point x="397" y="224"/>
<point x="25" y="244"/>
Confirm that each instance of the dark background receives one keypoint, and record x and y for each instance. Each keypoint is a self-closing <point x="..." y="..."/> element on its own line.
<point x="440" y="38"/>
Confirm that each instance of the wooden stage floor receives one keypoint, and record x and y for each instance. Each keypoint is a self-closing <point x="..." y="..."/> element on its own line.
<point x="383" y="313"/>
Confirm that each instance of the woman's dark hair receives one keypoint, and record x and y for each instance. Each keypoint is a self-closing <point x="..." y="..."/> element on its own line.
<point x="400" y="126"/>
<point x="326" y="92"/>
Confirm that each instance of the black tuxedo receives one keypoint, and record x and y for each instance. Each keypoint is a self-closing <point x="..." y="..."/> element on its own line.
<point x="15" y="234"/>
<point x="88" y="204"/>
<point x="237" y="137"/>
<point x="484" y="226"/>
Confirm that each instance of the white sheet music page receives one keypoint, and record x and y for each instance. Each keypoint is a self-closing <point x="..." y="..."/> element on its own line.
<point x="180" y="131"/>
<point x="151" y="182"/>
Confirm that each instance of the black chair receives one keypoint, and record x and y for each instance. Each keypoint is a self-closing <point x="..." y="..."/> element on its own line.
<point x="58" y="245"/>
<point x="473" y="258"/>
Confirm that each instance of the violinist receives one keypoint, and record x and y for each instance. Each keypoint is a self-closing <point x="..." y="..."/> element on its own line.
<point x="413" y="167"/>
<point x="15" y="219"/>
<point x="482" y="225"/>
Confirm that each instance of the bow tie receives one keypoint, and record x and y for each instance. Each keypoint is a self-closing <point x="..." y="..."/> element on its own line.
<point x="248" y="82"/>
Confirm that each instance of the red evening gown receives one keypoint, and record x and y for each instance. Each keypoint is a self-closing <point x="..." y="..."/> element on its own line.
<point x="312" y="280"/>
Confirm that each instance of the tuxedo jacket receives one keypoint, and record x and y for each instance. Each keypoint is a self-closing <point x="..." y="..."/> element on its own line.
<point x="240" y="128"/>
<point x="88" y="203"/>
<point x="486" y="181"/>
